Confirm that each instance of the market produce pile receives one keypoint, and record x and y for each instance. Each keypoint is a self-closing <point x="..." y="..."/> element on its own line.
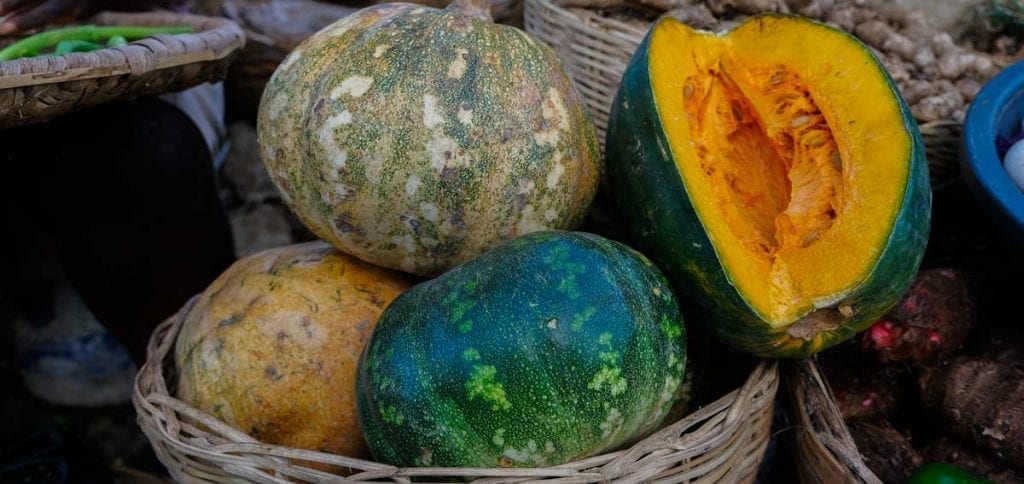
<point x="929" y="383"/>
<point x="584" y="338"/>
<point x="774" y="195"/>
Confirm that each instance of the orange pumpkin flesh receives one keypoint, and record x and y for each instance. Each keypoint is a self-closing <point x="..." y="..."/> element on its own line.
<point x="789" y="174"/>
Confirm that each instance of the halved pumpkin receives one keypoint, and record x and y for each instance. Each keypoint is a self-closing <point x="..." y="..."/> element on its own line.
<point x="776" y="175"/>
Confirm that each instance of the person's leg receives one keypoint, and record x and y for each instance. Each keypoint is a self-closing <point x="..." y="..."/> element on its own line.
<point x="129" y="193"/>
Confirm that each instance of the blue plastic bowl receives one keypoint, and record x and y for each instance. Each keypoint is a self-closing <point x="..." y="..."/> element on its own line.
<point x="996" y="111"/>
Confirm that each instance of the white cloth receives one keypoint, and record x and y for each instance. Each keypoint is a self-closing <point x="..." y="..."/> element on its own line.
<point x="204" y="105"/>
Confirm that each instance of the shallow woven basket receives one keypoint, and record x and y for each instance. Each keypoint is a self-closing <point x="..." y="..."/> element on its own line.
<point x="596" y="50"/>
<point x="38" y="89"/>
<point x="722" y="442"/>
<point x="826" y="451"/>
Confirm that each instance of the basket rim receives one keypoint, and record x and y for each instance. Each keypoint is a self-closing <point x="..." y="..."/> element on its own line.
<point x="214" y="39"/>
<point x="688" y="439"/>
<point x="821" y="429"/>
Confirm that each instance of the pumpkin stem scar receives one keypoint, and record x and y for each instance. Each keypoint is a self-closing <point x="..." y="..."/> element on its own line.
<point x="820" y="321"/>
<point x="478" y="9"/>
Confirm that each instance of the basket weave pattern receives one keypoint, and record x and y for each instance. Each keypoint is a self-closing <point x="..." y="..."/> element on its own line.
<point x="722" y="442"/>
<point x="826" y="450"/>
<point x="38" y="89"/>
<point x="594" y="49"/>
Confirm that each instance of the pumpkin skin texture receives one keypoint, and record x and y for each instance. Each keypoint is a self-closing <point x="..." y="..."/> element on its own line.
<point x="271" y="346"/>
<point x="416" y="138"/>
<point x="551" y="347"/>
<point x="783" y="190"/>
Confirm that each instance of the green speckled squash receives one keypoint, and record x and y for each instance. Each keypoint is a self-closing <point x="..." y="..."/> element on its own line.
<point x="416" y="138"/>
<point x="775" y="174"/>
<point x="549" y="348"/>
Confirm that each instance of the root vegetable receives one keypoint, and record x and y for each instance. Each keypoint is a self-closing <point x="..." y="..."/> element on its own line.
<point x="952" y="64"/>
<point x="901" y="45"/>
<point x="887" y="451"/>
<point x="941" y="107"/>
<point x="915" y="90"/>
<point x="845" y="18"/>
<point x="981" y="401"/>
<point x="867" y="393"/>
<point x="749" y="7"/>
<point x="811" y="8"/>
<point x="874" y="32"/>
<point x="697" y="15"/>
<point x="924" y="58"/>
<point x="916" y="25"/>
<point x="943" y="44"/>
<point x="968" y="88"/>
<point x="929" y="324"/>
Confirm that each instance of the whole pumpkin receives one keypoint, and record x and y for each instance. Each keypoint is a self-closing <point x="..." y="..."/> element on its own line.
<point x="271" y="346"/>
<point x="416" y="138"/>
<point x="578" y="350"/>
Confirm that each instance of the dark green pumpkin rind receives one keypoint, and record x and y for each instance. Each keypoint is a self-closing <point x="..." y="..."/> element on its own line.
<point x="582" y="334"/>
<point x="657" y="215"/>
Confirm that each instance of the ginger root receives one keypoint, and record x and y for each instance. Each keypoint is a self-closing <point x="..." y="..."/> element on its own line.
<point x="927" y="65"/>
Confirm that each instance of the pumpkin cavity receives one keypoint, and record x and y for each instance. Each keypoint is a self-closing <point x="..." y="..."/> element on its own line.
<point x="769" y="155"/>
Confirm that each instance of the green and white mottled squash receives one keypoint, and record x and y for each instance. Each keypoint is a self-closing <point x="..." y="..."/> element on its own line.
<point x="549" y="348"/>
<point x="416" y="138"/>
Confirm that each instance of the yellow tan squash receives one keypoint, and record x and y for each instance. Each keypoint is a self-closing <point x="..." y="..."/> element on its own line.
<point x="271" y="346"/>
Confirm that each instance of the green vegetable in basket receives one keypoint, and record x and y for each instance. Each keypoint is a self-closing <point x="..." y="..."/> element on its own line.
<point x="69" y="46"/>
<point x="117" y="41"/>
<point x="941" y="473"/>
<point x="41" y="42"/>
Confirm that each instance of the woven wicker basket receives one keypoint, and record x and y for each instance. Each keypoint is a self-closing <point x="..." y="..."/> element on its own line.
<point x="722" y="442"/>
<point x="596" y="51"/>
<point x="38" y="89"/>
<point x="826" y="451"/>
<point x="507" y="12"/>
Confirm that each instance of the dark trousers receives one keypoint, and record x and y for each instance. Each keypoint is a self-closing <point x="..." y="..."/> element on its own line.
<point x="126" y="196"/>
